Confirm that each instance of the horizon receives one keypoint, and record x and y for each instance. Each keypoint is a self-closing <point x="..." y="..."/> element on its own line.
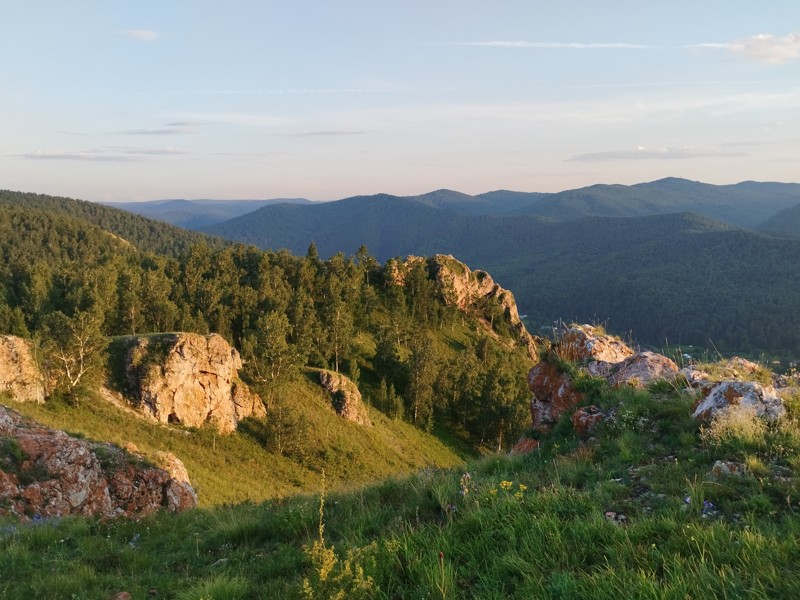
<point x="255" y="100"/>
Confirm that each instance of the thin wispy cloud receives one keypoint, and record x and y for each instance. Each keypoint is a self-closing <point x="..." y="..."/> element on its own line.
<point x="282" y="92"/>
<point x="106" y="154"/>
<point x="329" y="133"/>
<point x="555" y="45"/>
<point x="644" y="153"/>
<point x="168" y="130"/>
<point x="140" y="35"/>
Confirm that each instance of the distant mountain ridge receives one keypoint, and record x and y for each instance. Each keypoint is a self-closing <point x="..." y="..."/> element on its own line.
<point x="604" y="252"/>
<point x="195" y="214"/>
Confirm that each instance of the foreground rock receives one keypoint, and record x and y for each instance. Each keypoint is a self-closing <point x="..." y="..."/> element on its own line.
<point x="601" y="355"/>
<point x="19" y="375"/>
<point x="48" y="473"/>
<point x="346" y="398"/>
<point x="719" y="397"/>
<point x="189" y="379"/>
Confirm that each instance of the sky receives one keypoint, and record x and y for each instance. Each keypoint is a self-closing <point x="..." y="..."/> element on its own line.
<point x="122" y="100"/>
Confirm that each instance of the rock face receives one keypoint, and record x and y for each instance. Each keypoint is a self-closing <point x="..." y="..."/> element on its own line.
<point x="553" y="394"/>
<point x="189" y="379"/>
<point x="467" y="290"/>
<point x="346" y="397"/>
<point x="19" y="374"/>
<point x="585" y="419"/>
<point x="47" y="472"/>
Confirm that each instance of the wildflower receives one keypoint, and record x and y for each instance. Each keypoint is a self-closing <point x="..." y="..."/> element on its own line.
<point x="506" y="485"/>
<point x="522" y="487"/>
<point x="687" y="500"/>
<point x="518" y="495"/>
<point x="134" y="541"/>
<point x="493" y="491"/>
<point x="464" y="483"/>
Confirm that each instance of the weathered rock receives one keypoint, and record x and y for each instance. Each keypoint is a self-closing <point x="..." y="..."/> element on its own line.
<point x="586" y="418"/>
<point x="586" y="343"/>
<point x="525" y="446"/>
<point x="346" y="397"/>
<point x="172" y="465"/>
<point x="642" y="368"/>
<point x="189" y="379"/>
<point x="553" y="394"/>
<point x="49" y="473"/>
<point x="721" y="396"/>
<point x="727" y="468"/>
<point x="19" y="374"/>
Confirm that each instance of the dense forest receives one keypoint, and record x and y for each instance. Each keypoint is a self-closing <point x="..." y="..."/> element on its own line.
<point x="65" y="281"/>
<point x="669" y="276"/>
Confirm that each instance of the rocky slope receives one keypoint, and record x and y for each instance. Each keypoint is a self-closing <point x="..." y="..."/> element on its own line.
<point x="48" y="473"/>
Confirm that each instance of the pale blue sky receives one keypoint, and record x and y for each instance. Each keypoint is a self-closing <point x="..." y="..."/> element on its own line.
<point x="113" y="100"/>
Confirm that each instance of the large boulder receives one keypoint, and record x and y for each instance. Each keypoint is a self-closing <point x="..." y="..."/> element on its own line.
<point x="722" y="396"/>
<point x="346" y="398"/>
<point x="583" y="343"/>
<point x="189" y="379"/>
<point x="642" y="368"/>
<point x="49" y="473"/>
<point x="19" y="375"/>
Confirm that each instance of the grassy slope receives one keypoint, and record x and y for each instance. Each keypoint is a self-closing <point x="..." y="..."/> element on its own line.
<point x="520" y="527"/>
<point x="237" y="468"/>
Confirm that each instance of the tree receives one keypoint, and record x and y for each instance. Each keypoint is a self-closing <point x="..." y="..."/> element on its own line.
<point x="72" y="348"/>
<point x="269" y="356"/>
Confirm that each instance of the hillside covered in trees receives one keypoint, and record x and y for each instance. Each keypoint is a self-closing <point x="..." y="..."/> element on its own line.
<point x="390" y="328"/>
<point x="681" y="277"/>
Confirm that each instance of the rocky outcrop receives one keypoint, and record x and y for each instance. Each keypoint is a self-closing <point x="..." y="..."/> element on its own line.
<point x="601" y="355"/>
<point x="189" y="379"/>
<point x="49" y="473"/>
<point x="473" y="290"/>
<point x="553" y="394"/>
<point x="642" y="368"/>
<point x="585" y="419"/>
<point x="19" y="375"/>
<point x="346" y="398"/>
<point x="583" y="343"/>
<point x="718" y="397"/>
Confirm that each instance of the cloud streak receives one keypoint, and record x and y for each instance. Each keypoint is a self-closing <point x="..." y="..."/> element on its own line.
<point x="108" y="154"/>
<point x="555" y="45"/>
<point x="140" y="35"/>
<point x="171" y="129"/>
<point x="329" y="133"/>
<point x="644" y="153"/>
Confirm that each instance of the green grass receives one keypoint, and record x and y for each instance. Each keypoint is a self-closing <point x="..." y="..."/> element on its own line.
<point x="534" y="526"/>
<point x="240" y="467"/>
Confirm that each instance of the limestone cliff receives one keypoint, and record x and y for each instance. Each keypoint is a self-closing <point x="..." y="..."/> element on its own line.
<point x="19" y="375"/>
<point x="472" y="291"/>
<point x="189" y="379"/>
<point x="49" y="473"/>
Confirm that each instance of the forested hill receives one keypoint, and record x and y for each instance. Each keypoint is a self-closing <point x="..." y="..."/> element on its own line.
<point x="145" y="234"/>
<point x="392" y="328"/>
<point x="786" y="223"/>
<point x="676" y="276"/>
